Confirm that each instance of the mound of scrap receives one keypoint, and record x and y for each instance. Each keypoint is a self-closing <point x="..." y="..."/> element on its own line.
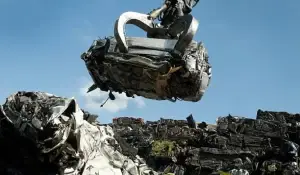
<point x="41" y="133"/>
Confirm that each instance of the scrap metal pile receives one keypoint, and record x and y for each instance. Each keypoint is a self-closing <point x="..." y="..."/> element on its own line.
<point x="44" y="134"/>
<point x="266" y="145"/>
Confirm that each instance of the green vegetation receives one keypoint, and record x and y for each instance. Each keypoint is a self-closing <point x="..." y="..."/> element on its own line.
<point x="162" y="148"/>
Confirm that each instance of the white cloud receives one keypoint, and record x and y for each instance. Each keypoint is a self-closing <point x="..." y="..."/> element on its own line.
<point x="93" y="100"/>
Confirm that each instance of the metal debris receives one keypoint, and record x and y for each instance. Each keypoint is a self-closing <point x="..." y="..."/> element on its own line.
<point x="41" y="133"/>
<point x="235" y="146"/>
<point x="45" y="134"/>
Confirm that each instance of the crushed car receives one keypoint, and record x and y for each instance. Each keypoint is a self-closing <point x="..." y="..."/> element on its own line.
<point x="167" y="65"/>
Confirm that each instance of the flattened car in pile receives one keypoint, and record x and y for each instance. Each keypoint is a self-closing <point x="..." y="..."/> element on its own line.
<point x="156" y="68"/>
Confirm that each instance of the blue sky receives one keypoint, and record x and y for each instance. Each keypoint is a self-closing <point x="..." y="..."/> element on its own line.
<point x="253" y="46"/>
